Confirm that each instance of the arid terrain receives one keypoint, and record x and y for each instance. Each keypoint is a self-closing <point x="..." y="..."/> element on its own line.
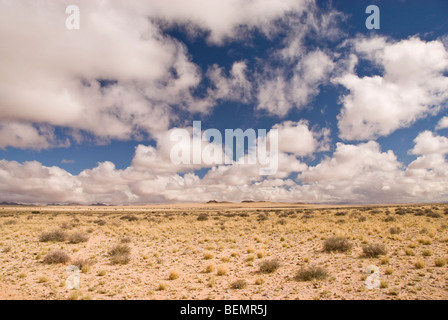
<point x="256" y="250"/>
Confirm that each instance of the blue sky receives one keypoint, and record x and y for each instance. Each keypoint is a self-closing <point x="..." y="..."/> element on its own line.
<point x="85" y="113"/>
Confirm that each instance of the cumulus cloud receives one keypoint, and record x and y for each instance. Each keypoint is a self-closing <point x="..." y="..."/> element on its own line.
<point x="411" y="86"/>
<point x="297" y="138"/>
<point x="234" y="87"/>
<point x="355" y="173"/>
<point x="363" y="173"/>
<point x="120" y="75"/>
<point x="428" y="143"/>
<point x="227" y="20"/>
<point x="278" y="94"/>
<point x="442" y="124"/>
<point x="111" y="78"/>
<point x="25" y="135"/>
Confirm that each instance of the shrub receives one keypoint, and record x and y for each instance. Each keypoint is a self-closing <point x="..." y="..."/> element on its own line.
<point x="439" y="262"/>
<point x="282" y="222"/>
<point x="202" y="217"/>
<point x="162" y="286"/>
<point x="269" y="266"/>
<point x="100" y="222"/>
<point x="129" y="217"/>
<point x="222" y="271"/>
<point x="238" y="284"/>
<point x="120" y="254"/>
<point x="56" y="256"/>
<point x="433" y="214"/>
<point x="395" y="230"/>
<point x="173" y="275"/>
<point x="339" y="244"/>
<point x="208" y="256"/>
<point x="83" y="264"/>
<point x="210" y="268"/>
<point x="311" y="273"/>
<point x="78" y="237"/>
<point x="54" y="236"/>
<point x="374" y="250"/>
<point x="419" y="264"/>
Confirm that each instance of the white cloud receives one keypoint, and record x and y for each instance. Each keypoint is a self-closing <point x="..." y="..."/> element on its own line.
<point x="412" y="86"/>
<point x="278" y="94"/>
<point x="226" y="20"/>
<point x="442" y="124"/>
<point x="427" y="143"/>
<point x="298" y="139"/>
<point x="234" y="87"/>
<point x="359" y="173"/>
<point x="53" y="75"/>
<point x="362" y="173"/>
<point x="32" y="182"/>
<point x="25" y="135"/>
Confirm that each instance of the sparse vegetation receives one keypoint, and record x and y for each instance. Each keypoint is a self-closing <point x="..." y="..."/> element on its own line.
<point x="419" y="264"/>
<point x="311" y="273"/>
<point x="239" y="284"/>
<point x="374" y="250"/>
<point x="269" y="266"/>
<point x="53" y="236"/>
<point x="439" y="262"/>
<point x="83" y="264"/>
<point x="174" y="274"/>
<point x="229" y="255"/>
<point x="338" y="244"/>
<point x="222" y="271"/>
<point x="120" y="254"/>
<point x="129" y="217"/>
<point x="202" y="217"/>
<point x="78" y="237"/>
<point x="56" y="256"/>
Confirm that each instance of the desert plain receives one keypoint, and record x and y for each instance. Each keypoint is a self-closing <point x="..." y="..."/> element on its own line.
<point x="253" y="250"/>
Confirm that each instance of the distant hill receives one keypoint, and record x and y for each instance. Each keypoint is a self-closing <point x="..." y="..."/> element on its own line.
<point x="4" y="203"/>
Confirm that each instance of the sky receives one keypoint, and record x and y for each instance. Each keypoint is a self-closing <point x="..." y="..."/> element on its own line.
<point x="86" y="115"/>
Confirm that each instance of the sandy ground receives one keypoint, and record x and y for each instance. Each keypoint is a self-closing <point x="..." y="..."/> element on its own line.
<point x="175" y="255"/>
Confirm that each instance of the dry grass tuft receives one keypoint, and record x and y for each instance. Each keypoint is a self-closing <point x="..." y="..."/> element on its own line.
<point x="311" y="273"/>
<point x="120" y="254"/>
<point x="269" y="266"/>
<point x="78" y="237"/>
<point x="374" y="250"/>
<point x="238" y="284"/>
<point x="338" y="244"/>
<point x="53" y="236"/>
<point x="56" y="256"/>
